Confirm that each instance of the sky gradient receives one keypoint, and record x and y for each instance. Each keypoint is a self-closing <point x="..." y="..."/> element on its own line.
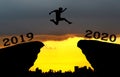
<point x="21" y="16"/>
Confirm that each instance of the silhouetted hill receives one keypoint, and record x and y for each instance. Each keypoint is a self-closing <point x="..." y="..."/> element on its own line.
<point x="104" y="57"/>
<point x="16" y="60"/>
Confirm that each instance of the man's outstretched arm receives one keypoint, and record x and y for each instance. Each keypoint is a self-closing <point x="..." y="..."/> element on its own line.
<point x="64" y="9"/>
<point x="51" y="12"/>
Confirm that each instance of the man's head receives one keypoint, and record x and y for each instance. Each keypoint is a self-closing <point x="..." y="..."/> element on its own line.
<point x="60" y="8"/>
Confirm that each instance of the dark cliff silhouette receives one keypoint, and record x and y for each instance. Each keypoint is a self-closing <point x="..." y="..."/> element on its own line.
<point x="16" y="60"/>
<point x="104" y="57"/>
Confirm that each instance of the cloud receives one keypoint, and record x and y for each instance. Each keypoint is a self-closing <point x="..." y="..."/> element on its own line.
<point x="55" y="37"/>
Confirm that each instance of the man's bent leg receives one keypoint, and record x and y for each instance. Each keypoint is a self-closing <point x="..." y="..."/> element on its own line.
<point x="55" y="22"/>
<point x="66" y="20"/>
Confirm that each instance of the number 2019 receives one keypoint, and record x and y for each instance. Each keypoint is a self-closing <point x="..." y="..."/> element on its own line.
<point x="102" y="36"/>
<point x="15" y="40"/>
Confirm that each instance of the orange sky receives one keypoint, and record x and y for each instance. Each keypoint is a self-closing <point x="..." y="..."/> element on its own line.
<point x="60" y="53"/>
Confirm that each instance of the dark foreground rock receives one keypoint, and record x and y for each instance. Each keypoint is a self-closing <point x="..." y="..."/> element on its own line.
<point x="16" y="60"/>
<point x="104" y="57"/>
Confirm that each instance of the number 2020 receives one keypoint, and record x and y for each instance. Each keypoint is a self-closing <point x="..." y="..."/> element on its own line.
<point x="15" y="40"/>
<point x="102" y="36"/>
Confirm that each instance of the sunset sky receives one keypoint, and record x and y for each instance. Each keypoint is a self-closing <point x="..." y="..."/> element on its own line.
<point x="19" y="17"/>
<point x="63" y="54"/>
<point x="60" y="55"/>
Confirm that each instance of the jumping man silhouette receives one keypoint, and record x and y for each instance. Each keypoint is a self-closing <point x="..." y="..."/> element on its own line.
<point x="58" y="16"/>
